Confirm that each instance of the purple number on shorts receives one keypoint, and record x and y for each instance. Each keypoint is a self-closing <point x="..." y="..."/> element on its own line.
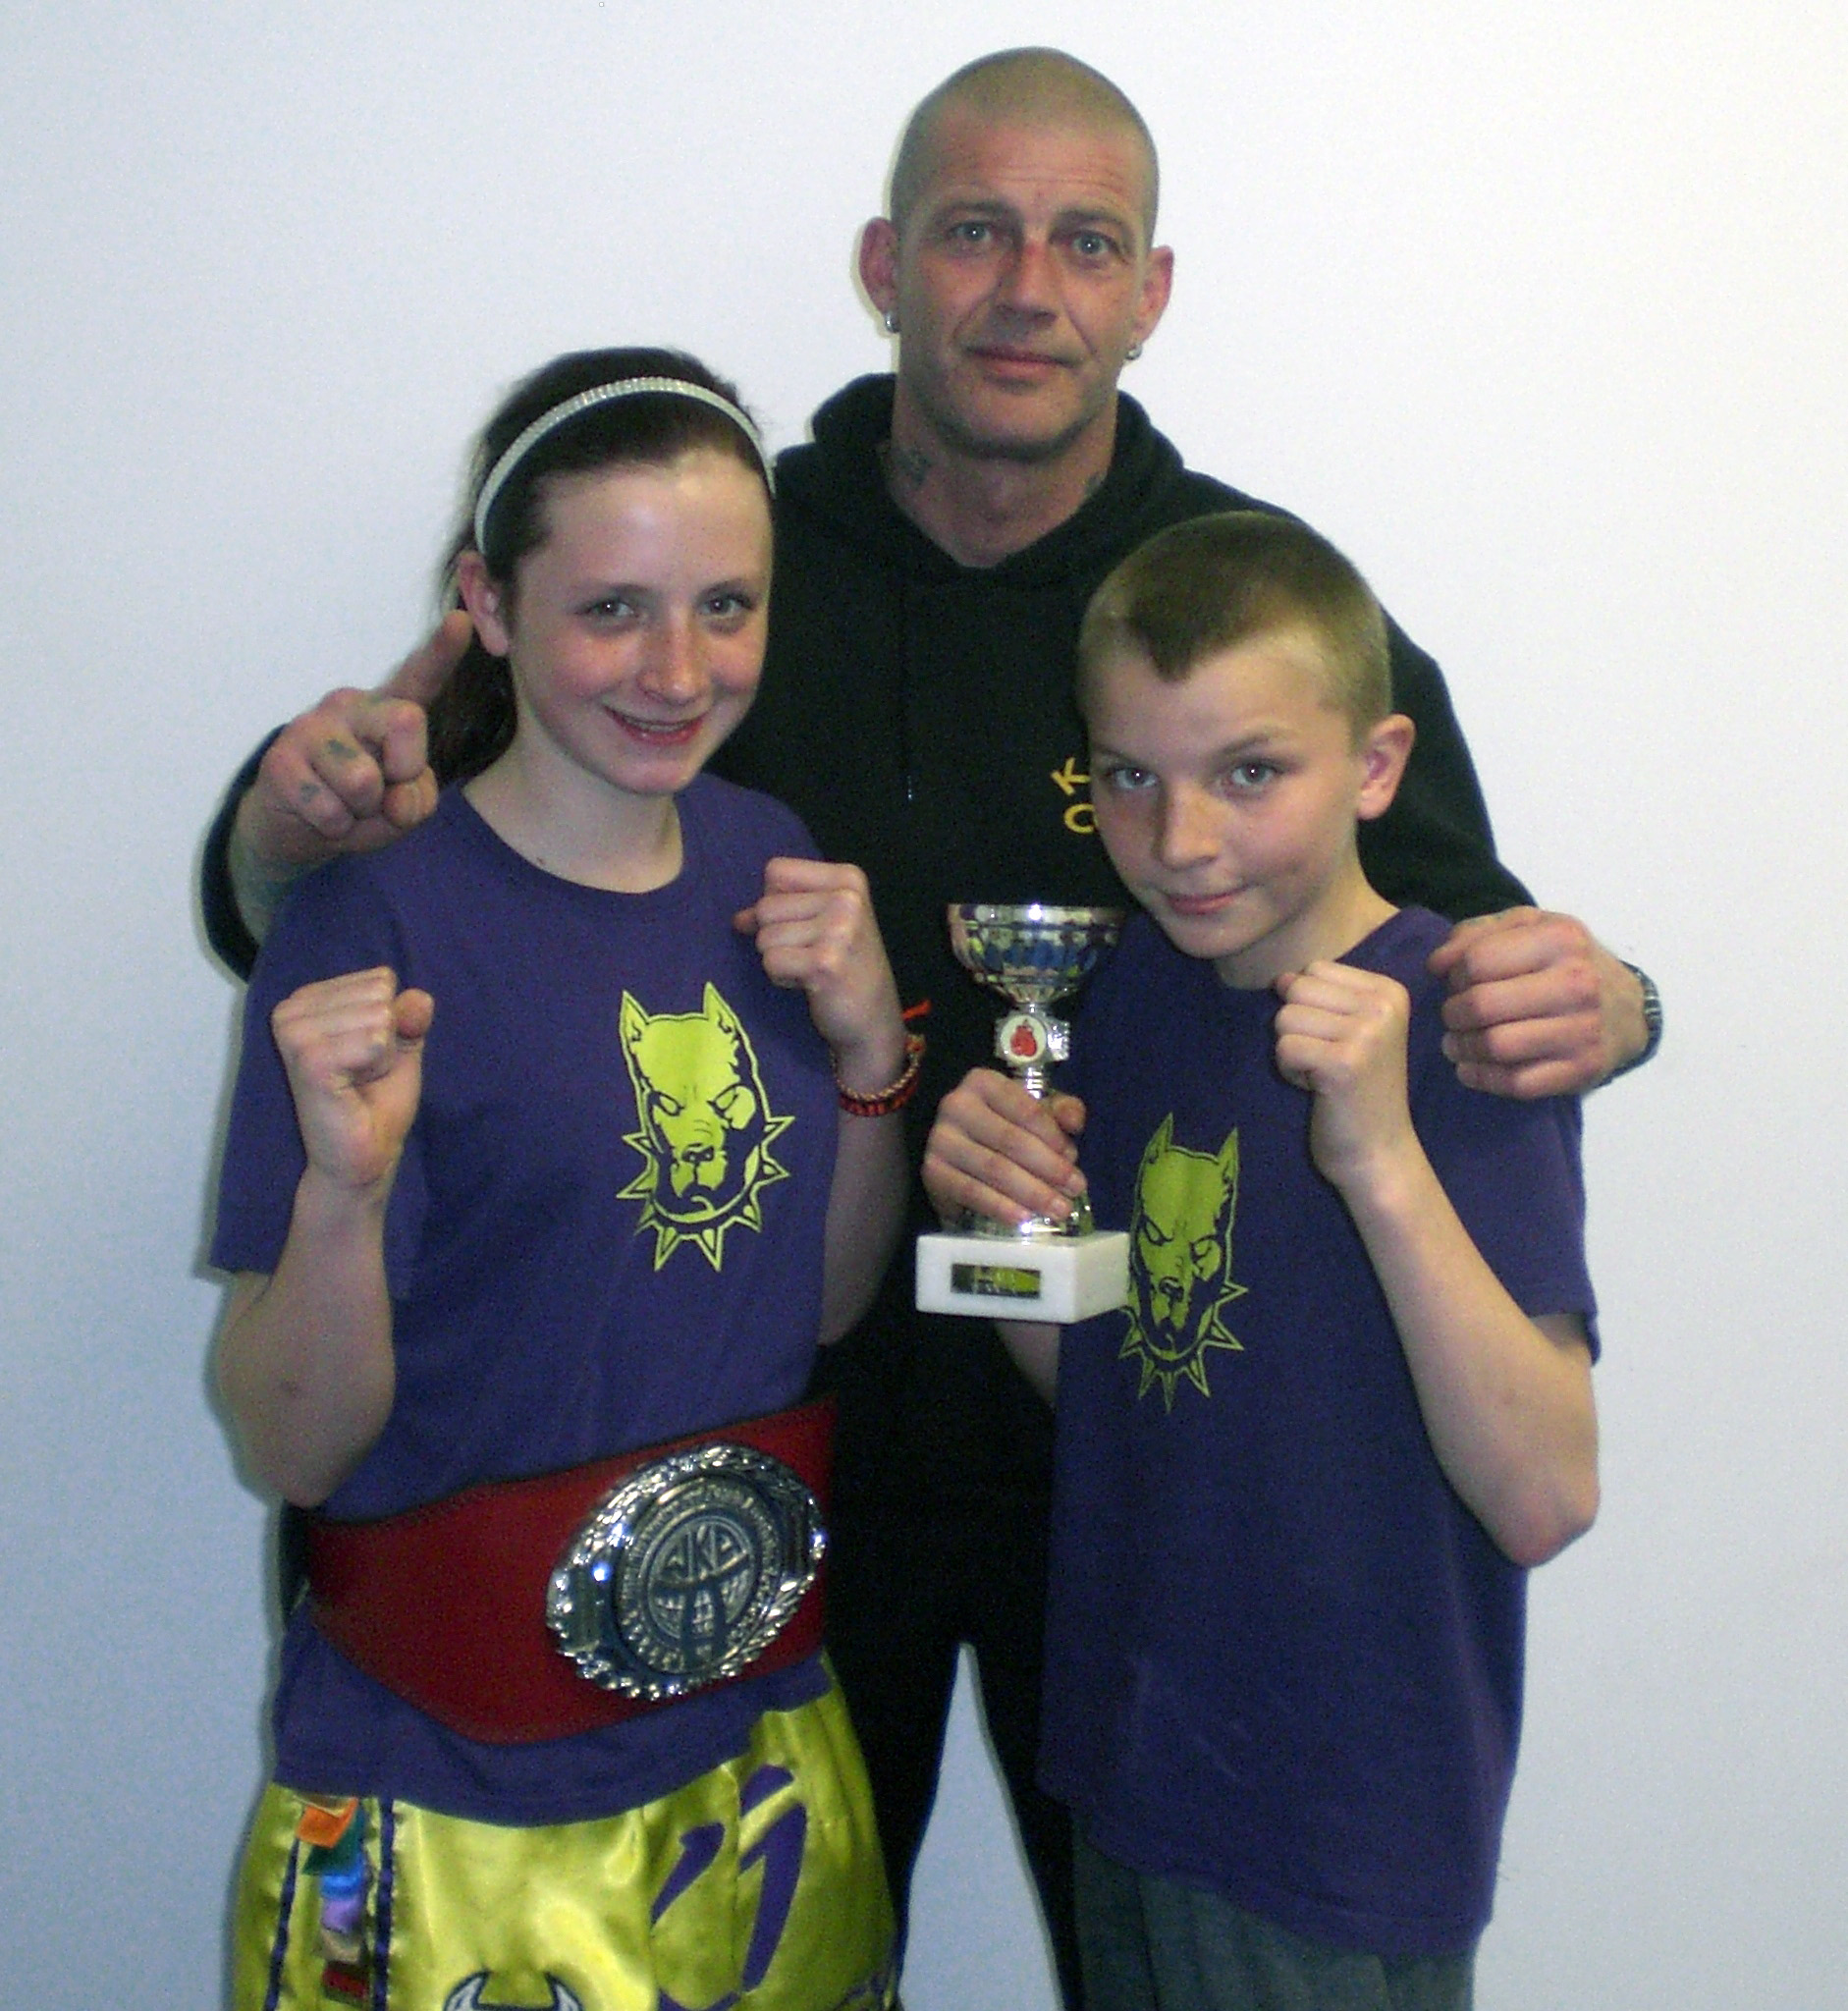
<point x="781" y="1849"/>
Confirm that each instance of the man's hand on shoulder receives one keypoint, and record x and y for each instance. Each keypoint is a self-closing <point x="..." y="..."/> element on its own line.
<point x="349" y="774"/>
<point x="1537" y="1005"/>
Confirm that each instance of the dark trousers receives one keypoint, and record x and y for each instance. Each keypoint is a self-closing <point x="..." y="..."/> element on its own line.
<point x="906" y="1589"/>
<point x="1154" y="1944"/>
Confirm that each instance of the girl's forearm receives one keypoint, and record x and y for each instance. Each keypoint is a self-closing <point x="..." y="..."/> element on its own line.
<point x="304" y="1355"/>
<point x="865" y="1212"/>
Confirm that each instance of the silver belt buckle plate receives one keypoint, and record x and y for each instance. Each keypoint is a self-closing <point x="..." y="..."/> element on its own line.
<point x="686" y="1571"/>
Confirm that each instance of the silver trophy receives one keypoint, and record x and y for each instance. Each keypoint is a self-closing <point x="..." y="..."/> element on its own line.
<point x="1044" y="1268"/>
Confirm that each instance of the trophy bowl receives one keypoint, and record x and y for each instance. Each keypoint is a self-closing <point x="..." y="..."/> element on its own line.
<point x="1032" y="953"/>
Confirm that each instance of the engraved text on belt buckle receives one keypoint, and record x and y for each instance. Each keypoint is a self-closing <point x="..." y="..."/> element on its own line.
<point x="686" y="1571"/>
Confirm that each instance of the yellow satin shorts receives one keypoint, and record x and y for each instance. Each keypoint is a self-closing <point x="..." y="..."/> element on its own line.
<point x="756" y="1887"/>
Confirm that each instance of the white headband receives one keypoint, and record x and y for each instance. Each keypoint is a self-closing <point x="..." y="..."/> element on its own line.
<point x="602" y="393"/>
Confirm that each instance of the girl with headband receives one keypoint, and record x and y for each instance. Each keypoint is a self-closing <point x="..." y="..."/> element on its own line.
<point x="563" y="1131"/>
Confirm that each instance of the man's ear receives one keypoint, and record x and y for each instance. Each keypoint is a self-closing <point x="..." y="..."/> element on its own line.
<point x="1383" y="753"/>
<point x="1158" y="283"/>
<point x="879" y="264"/>
<point x="486" y="601"/>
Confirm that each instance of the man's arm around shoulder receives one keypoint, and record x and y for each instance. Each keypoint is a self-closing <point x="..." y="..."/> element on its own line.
<point x="348" y="774"/>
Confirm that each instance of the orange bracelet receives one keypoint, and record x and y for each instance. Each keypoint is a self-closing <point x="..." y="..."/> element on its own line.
<point x="883" y="1102"/>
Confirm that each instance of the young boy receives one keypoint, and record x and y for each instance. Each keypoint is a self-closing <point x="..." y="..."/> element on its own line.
<point x="1300" y="1478"/>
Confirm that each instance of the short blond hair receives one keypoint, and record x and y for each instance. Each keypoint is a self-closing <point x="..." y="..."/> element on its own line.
<point x="1036" y="86"/>
<point x="1214" y="582"/>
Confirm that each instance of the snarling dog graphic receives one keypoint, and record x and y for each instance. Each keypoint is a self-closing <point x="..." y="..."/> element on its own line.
<point x="1180" y="1261"/>
<point x="706" y="1126"/>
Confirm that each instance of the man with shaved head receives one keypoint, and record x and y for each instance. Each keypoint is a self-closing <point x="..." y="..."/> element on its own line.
<point x="1030" y="86"/>
<point x="1005" y="408"/>
<point x="937" y="542"/>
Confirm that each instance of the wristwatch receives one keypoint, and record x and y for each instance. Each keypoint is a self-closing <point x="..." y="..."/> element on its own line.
<point x="1651" y="1023"/>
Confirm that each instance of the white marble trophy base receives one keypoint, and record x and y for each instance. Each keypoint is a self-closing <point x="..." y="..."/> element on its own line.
<point x="1057" y="1278"/>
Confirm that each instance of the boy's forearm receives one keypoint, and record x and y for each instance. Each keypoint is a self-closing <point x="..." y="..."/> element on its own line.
<point x="305" y="1356"/>
<point x="1035" y="1350"/>
<point x="1506" y="1400"/>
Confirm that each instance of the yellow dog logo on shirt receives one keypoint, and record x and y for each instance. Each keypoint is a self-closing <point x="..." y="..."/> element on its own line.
<point x="1180" y="1261"/>
<point x="706" y="1126"/>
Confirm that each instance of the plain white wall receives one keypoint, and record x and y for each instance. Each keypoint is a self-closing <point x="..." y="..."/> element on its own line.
<point x="1539" y="309"/>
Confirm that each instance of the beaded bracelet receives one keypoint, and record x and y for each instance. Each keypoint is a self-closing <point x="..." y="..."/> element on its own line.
<point x="883" y="1102"/>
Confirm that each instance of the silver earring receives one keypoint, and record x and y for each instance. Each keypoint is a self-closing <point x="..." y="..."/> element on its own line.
<point x="891" y="320"/>
<point x="1132" y="353"/>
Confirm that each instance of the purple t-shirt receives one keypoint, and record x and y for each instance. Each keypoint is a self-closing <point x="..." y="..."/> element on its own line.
<point x="1284" y="1659"/>
<point x="606" y="1231"/>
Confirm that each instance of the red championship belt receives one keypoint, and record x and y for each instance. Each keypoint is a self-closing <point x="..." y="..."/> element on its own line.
<point x="521" y="1610"/>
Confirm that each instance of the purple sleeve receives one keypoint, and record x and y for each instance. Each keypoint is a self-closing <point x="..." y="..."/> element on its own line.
<point x="333" y="923"/>
<point x="1513" y="1175"/>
